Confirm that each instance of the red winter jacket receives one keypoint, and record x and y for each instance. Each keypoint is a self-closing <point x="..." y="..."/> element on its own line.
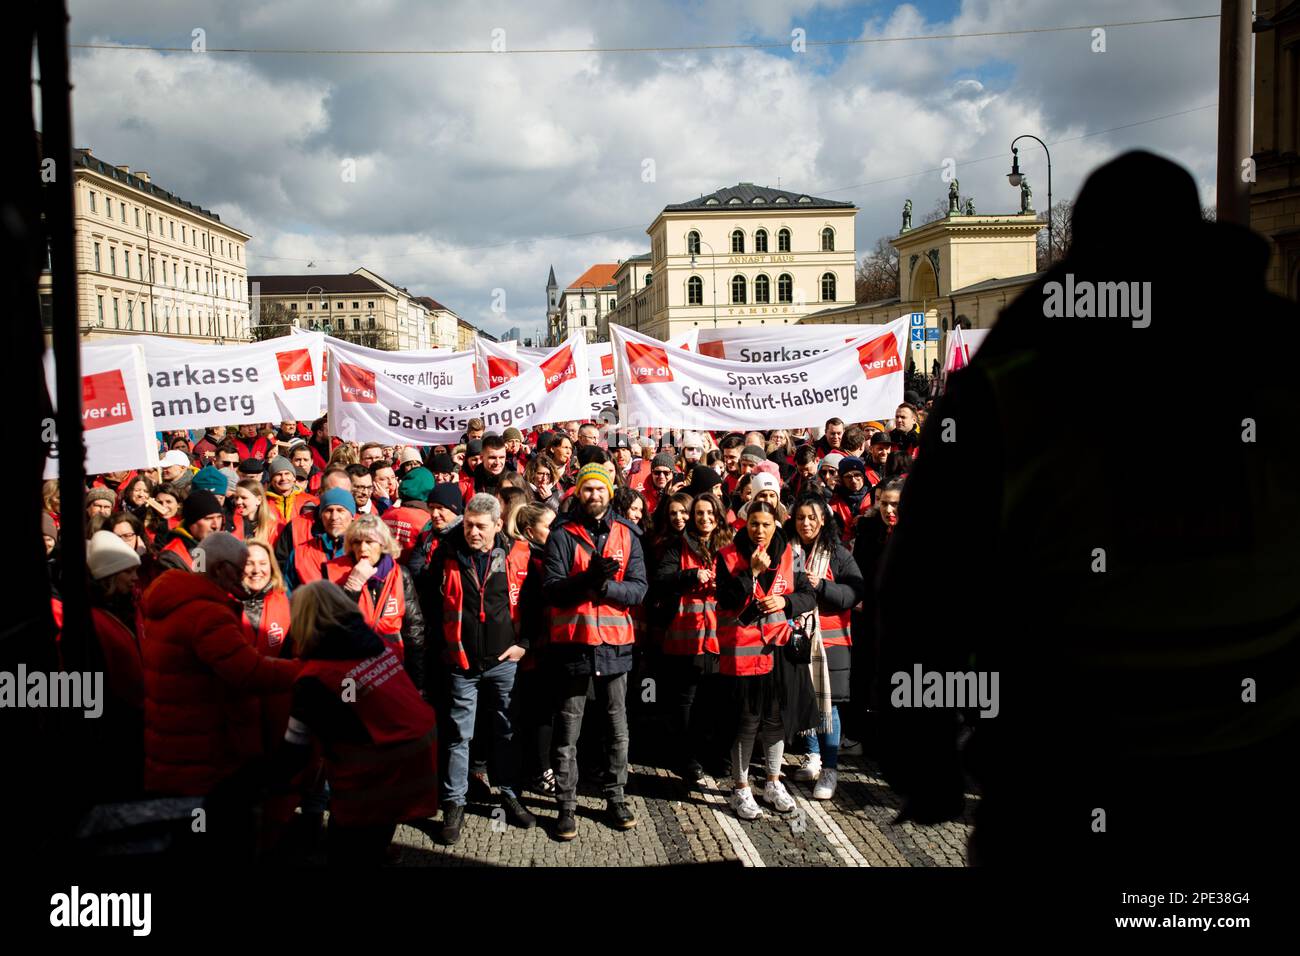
<point x="202" y="678"/>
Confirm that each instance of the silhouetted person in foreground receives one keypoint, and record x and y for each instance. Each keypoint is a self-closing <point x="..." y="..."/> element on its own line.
<point x="1080" y="440"/>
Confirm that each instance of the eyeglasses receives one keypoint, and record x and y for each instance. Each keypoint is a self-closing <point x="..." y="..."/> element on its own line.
<point x="356" y="487"/>
<point x="661" y="473"/>
<point x="128" y="536"/>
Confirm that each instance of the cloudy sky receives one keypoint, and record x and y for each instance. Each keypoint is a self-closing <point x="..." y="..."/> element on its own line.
<point x="479" y="171"/>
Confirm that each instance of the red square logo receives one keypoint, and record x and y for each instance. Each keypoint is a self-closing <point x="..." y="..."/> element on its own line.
<point x="649" y="364"/>
<point x="607" y="364"/>
<point x="558" y="369"/>
<point x="712" y="349"/>
<point x="103" y="400"/>
<point x="501" y="370"/>
<point x="295" y="368"/>
<point x="357" y="384"/>
<point x="880" y="356"/>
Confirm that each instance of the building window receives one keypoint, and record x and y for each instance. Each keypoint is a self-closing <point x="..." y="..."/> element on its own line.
<point x="370" y="305"/>
<point x="828" y="239"/>
<point x="92" y="201"/>
<point x="187" y="273"/>
<point x="117" y="323"/>
<point x="309" y="305"/>
<point x="649" y="277"/>
<point x="182" y="234"/>
<point x="108" y="206"/>
<point x="101" y="311"/>
<point x="121" y="208"/>
<point x="370" y="322"/>
<point x="112" y="260"/>
<point x="139" y="262"/>
<point x="356" y="305"/>
<point x="97" y="269"/>
<point x="692" y="243"/>
<point x="760" y="241"/>
<point x="828" y="287"/>
<point x="126" y="263"/>
<point x="173" y="235"/>
<point x="784" y="288"/>
<point x="137" y="217"/>
<point x="325" y="306"/>
<point x="783" y="240"/>
<point x="130" y="315"/>
<point x="356" y="323"/>
<point x="148" y="221"/>
<point x="694" y="291"/>
<point x="738" y="290"/>
<point x="293" y="306"/>
<point x="737" y="241"/>
<point x="340" y="324"/>
<point x="762" y="289"/>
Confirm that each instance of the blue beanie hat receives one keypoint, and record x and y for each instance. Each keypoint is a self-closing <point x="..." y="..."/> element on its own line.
<point x="210" y="479"/>
<point x="852" y="463"/>
<point x="339" y="496"/>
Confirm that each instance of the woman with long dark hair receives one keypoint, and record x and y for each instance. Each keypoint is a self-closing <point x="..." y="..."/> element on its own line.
<point x="760" y="591"/>
<point x="687" y="603"/>
<point x="837" y="582"/>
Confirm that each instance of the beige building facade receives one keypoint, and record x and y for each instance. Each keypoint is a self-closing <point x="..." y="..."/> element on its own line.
<point x="584" y="305"/>
<point x="959" y="268"/>
<point x="150" y="262"/>
<point x="748" y="255"/>
<point x="632" y="284"/>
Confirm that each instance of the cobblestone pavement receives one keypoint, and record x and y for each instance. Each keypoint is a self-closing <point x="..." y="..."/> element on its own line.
<point x="680" y="824"/>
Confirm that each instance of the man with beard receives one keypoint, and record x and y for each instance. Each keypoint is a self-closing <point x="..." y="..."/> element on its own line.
<point x="595" y="575"/>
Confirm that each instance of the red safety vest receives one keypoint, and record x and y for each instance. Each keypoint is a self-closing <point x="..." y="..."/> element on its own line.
<point x="406" y="524"/>
<point x="694" y="628"/>
<point x="395" y="777"/>
<point x="383" y="615"/>
<point x="741" y="646"/>
<point x="846" y="518"/>
<point x="514" y="564"/>
<point x="177" y="546"/>
<point x="309" y="560"/>
<point x="595" y="622"/>
<point x="835" y="624"/>
<point x="273" y="629"/>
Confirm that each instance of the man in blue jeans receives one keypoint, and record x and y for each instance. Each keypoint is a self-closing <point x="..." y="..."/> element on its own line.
<point x="477" y="584"/>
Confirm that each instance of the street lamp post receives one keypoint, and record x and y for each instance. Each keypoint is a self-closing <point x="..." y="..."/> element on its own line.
<point x="713" y="268"/>
<point x="1015" y="179"/>
<point x="322" y="294"/>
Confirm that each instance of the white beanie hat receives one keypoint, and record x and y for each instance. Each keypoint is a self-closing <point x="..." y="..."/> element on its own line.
<point x="762" y="481"/>
<point x="692" y="440"/>
<point x="108" y="554"/>
<point x="831" y="461"/>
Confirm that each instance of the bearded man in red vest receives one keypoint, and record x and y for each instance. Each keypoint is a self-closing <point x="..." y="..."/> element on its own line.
<point x="595" y="575"/>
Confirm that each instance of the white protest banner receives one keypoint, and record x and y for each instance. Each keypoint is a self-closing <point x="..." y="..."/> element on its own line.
<point x="116" y="417"/>
<point x="451" y="373"/>
<point x="771" y="344"/>
<point x="367" y="405"/>
<point x="962" y="346"/>
<point x="193" y="386"/>
<point x="664" y="387"/>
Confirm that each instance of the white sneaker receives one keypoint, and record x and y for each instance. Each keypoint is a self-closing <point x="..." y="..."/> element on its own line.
<point x="811" y="768"/>
<point x="742" y="801"/>
<point x="776" y="794"/>
<point x="826" y="782"/>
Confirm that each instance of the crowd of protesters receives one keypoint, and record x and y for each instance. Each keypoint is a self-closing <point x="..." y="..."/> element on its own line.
<point x="389" y="632"/>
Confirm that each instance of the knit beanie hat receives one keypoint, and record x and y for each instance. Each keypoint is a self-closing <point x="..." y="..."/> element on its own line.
<point x="753" y="454"/>
<point x="512" y="434"/>
<point x="852" y="463"/>
<point x="107" y="554"/>
<point x="441" y="463"/>
<point x="199" y="504"/>
<point x="338" y="496"/>
<point x="209" y="479"/>
<point x="663" y="460"/>
<point x="277" y="465"/>
<point x="232" y="479"/>
<point x="251" y="468"/>
<point x="703" y="479"/>
<point x="588" y="472"/>
<point x="762" y="481"/>
<point x="473" y="447"/>
<point x="416" y="485"/>
<point x="100" y="494"/>
<point x="769" y="467"/>
<point x="447" y="495"/>
<point x="831" y="461"/>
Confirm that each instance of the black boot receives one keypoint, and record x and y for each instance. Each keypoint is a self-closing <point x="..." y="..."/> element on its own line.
<point x="516" y="813"/>
<point x="452" y="819"/>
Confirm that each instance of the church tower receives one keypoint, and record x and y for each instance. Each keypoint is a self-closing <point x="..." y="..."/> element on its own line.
<point x="552" y="307"/>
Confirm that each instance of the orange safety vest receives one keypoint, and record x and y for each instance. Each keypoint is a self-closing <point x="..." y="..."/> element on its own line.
<point x="395" y="777"/>
<point x="741" y="647"/>
<point x="595" y="622"/>
<point x="848" y="520"/>
<point x="406" y="524"/>
<point x="835" y="624"/>
<point x="515" y="565"/>
<point x="177" y="546"/>
<point x="309" y="560"/>
<point x="273" y="629"/>
<point x="384" y="616"/>
<point x="694" y="628"/>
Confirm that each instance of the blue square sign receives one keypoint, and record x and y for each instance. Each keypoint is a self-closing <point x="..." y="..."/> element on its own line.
<point x="932" y="335"/>
<point x="918" y="335"/>
<point x="918" y="318"/>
